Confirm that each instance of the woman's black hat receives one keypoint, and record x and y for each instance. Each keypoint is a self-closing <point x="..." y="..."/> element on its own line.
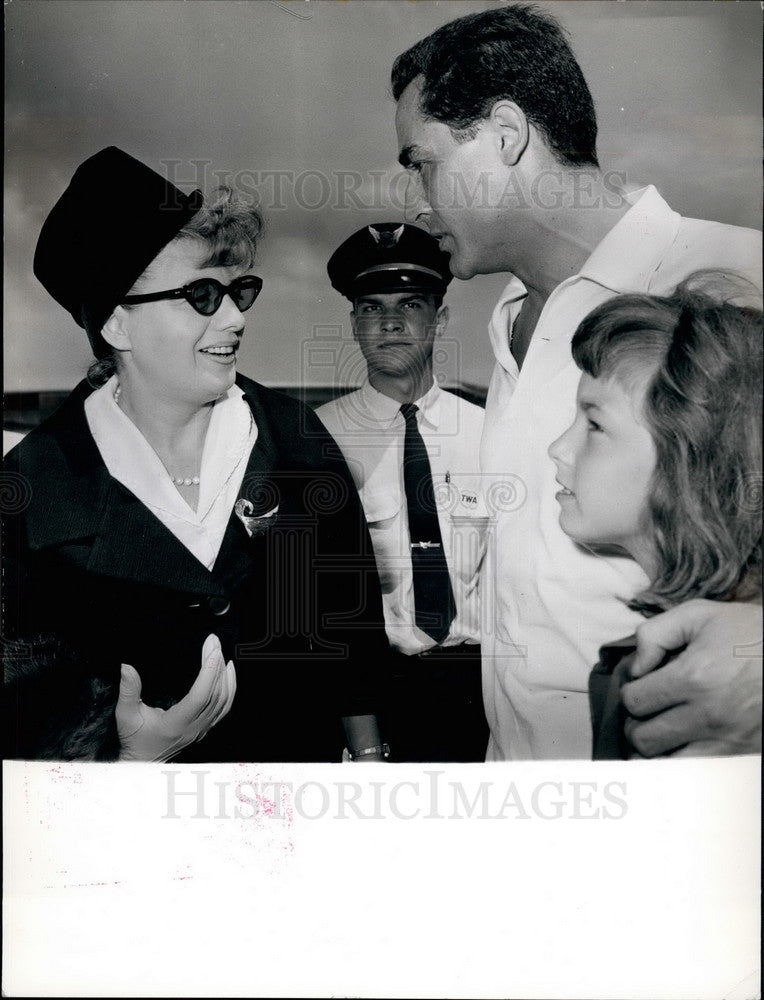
<point x="104" y="231"/>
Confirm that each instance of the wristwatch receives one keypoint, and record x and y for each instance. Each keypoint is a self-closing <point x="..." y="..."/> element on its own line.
<point x="383" y="749"/>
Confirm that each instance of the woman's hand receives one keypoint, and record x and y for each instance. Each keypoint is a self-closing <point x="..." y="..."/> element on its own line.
<point x="158" y="734"/>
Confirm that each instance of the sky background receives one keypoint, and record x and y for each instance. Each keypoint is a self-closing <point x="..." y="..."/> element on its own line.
<point x="238" y="90"/>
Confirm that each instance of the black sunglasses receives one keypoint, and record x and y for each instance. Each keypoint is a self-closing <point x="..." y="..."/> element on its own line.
<point x="206" y="294"/>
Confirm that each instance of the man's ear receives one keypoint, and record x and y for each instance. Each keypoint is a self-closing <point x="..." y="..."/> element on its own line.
<point x="511" y="129"/>
<point x="115" y="330"/>
<point x="352" y="323"/>
<point x="441" y="320"/>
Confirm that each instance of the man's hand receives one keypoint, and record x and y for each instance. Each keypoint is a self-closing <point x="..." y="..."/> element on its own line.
<point x="158" y="734"/>
<point x="706" y="701"/>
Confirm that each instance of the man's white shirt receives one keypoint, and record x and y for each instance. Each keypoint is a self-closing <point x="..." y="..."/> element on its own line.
<point x="548" y="604"/>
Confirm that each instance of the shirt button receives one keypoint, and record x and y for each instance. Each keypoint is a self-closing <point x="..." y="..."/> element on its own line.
<point x="218" y="605"/>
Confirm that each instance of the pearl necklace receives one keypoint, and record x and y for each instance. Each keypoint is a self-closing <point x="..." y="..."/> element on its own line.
<point x="176" y="480"/>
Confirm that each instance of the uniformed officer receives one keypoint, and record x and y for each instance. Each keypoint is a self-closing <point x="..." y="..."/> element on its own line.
<point x="413" y="451"/>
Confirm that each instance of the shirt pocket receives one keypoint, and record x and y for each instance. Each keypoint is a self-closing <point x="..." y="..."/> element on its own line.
<point x="384" y="508"/>
<point x="467" y="520"/>
<point x="380" y="506"/>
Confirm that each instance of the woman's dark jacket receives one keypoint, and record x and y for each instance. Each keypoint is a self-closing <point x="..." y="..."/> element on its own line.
<point x="296" y="604"/>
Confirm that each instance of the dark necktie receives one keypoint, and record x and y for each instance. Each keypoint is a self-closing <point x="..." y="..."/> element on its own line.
<point x="434" y="607"/>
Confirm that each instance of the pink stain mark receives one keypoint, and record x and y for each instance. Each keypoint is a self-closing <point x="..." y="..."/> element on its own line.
<point x="265" y="807"/>
<point x="62" y="777"/>
<point x="286" y="803"/>
<point x="82" y="885"/>
<point x="26" y="787"/>
<point x="262" y="807"/>
<point x="64" y="772"/>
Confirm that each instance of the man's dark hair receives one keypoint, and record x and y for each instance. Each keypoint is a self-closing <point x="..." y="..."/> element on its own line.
<point x="516" y="53"/>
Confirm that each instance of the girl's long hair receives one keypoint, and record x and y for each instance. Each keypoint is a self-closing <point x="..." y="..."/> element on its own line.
<point x="697" y="356"/>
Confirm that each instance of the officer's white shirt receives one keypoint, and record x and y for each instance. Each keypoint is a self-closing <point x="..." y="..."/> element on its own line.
<point x="370" y="432"/>
<point x="548" y="605"/>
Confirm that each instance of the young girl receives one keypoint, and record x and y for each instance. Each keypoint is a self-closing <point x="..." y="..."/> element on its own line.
<point x="663" y="459"/>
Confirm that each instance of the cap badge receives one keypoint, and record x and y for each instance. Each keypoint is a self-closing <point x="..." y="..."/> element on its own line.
<point x="386" y="238"/>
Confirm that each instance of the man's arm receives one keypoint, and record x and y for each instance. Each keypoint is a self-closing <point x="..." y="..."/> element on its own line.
<point x="362" y="733"/>
<point x="707" y="700"/>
